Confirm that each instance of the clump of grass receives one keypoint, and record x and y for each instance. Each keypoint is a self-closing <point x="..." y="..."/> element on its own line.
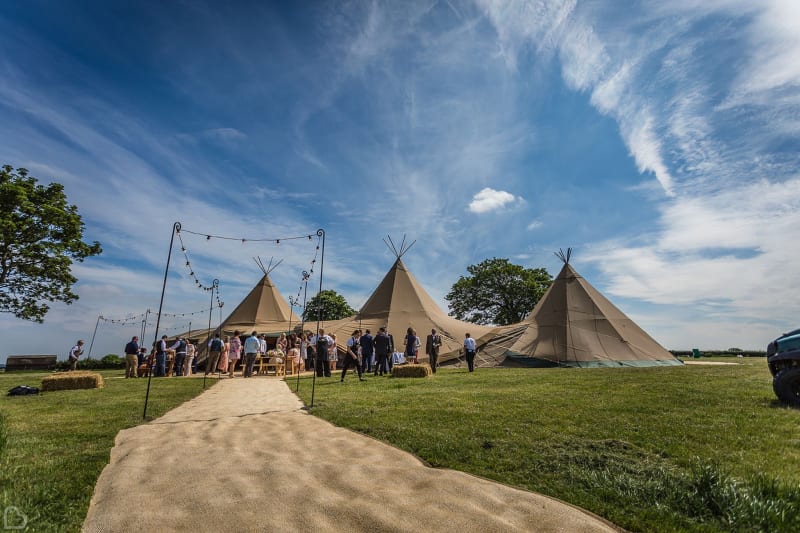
<point x="759" y="503"/>
<point x="2" y="434"/>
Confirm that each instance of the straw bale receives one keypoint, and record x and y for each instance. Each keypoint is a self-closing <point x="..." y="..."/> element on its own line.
<point x="72" y="381"/>
<point x="411" y="371"/>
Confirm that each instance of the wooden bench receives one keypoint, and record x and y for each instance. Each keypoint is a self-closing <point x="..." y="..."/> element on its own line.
<point x="30" y="362"/>
<point x="278" y="369"/>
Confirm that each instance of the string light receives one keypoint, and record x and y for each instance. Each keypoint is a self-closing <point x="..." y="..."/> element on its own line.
<point x="275" y="240"/>
<point x="243" y="240"/>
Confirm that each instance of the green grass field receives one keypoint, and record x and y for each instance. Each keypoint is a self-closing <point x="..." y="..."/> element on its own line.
<point x="694" y="448"/>
<point x="54" y="446"/>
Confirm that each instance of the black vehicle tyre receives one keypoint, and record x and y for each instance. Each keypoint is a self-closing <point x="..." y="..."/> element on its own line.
<point x="786" y="385"/>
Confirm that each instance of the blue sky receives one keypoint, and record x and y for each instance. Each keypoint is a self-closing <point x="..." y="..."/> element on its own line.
<point x="658" y="139"/>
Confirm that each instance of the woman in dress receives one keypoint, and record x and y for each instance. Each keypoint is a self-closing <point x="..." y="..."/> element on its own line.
<point x="234" y="352"/>
<point x="223" y="356"/>
<point x="333" y="355"/>
<point x="412" y="345"/>
<point x="282" y="343"/>
<point x="293" y="358"/>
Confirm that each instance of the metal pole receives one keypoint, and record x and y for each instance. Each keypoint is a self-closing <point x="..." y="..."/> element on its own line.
<point x="176" y="228"/>
<point x="214" y="285"/>
<point x="306" y="275"/>
<point x="320" y="233"/>
<point x="292" y="303"/>
<point x="144" y="323"/>
<point x="99" y="318"/>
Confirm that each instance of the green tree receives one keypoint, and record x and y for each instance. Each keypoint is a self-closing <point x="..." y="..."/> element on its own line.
<point x="40" y="236"/>
<point x="497" y="292"/>
<point x="332" y="305"/>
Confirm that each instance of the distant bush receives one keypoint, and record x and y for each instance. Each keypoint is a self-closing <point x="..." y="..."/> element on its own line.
<point x="109" y="362"/>
<point x="112" y="361"/>
<point x="733" y="352"/>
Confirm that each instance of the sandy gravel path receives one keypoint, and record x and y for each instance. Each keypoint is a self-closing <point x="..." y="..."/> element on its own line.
<point x="228" y="461"/>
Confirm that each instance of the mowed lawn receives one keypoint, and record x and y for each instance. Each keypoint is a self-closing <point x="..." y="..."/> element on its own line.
<point x="54" y="446"/>
<point x="692" y="448"/>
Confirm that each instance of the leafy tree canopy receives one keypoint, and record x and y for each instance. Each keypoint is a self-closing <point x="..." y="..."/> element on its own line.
<point x="332" y="305"/>
<point x="497" y="292"/>
<point x="40" y="236"/>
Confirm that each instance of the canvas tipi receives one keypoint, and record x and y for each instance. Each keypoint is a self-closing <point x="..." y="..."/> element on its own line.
<point x="263" y="310"/>
<point x="400" y="302"/>
<point x="574" y="325"/>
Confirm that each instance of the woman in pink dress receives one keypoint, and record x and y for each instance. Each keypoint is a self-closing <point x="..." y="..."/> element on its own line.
<point x="223" y="356"/>
<point x="234" y="352"/>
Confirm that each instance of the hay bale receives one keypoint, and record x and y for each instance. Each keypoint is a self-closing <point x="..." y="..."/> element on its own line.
<point x="411" y="371"/>
<point x="72" y="381"/>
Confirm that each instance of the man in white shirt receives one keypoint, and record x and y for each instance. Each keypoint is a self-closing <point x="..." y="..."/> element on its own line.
<point x="74" y="354"/>
<point x="252" y="345"/>
<point x="322" y="342"/>
<point x="469" y="349"/>
<point x="262" y="344"/>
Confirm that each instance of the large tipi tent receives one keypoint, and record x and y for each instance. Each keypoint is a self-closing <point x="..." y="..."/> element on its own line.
<point x="263" y="310"/>
<point x="400" y="302"/>
<point x="574" y="325"/>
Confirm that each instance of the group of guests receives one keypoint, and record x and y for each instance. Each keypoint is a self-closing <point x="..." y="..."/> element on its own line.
<point x="364" y="352"/>
<point x="225" y="352"/>
<point x="139" y="364"/>
<point x="368" y="354"/>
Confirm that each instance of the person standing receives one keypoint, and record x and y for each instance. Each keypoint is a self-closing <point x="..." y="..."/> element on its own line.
<point x="412" y="345"/>
<point x="282" y="343"/>
<point x="469" y="350"/>
<point x="132" y="358"/>
<point x="234" y="352"/>
<point x="367" y="344"/>
<point x="352" y="357"/>
<point x="432" y="344"/>
<point x="180" y="355"/>
<point x="161" y="357"/>
<point x="74" y="353"/>
<point x="306" y="350"/>
<point x="223" y="356"/>
<point x="333" y="354"/>
<point x="191" y="352"/>
<point x="215" y="347"/>
<point x="322" y="343"/>
<point x="382" y="351"/>
<point x="252" y="345"/>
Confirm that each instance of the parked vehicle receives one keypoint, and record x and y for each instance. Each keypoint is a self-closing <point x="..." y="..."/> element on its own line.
<point x="783" y="358"/>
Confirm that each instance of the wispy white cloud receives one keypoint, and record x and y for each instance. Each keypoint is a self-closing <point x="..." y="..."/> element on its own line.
<point x="534" y="225"/>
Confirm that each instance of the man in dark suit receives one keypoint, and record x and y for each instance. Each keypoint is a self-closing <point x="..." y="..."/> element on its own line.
<point x="432" y="345"/>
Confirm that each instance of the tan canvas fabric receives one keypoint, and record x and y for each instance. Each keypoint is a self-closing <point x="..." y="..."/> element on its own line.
<point x="574" y="325"/>
<point x="264" y="310"/>
<point x="400" y="302"/>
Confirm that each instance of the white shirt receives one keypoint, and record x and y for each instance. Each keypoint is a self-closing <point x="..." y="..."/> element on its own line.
<point x="262" y="345"/>
<point x="251" y="344"/>
<point x="469" y="344"/>
<point x="353" y="342"/>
